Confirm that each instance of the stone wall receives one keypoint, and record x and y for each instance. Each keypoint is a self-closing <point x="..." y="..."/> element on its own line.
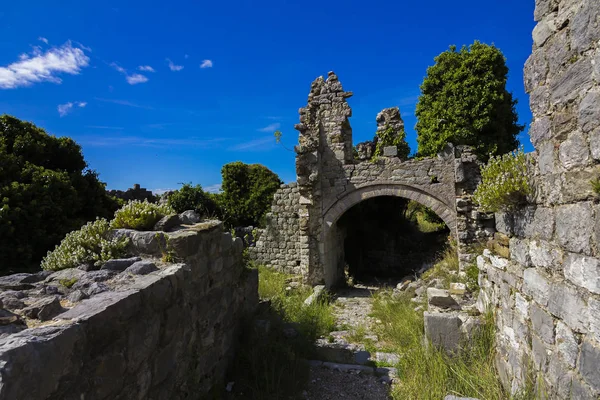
<point x="547" y="294"/>
<point x="278" y="245"/>
<point x="153" y="331"/>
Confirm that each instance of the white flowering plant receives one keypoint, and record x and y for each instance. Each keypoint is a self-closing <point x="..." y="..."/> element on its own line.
<point x="140" y="215"/>
<point x="91" y="245"/>
<point x="504" y="183"/>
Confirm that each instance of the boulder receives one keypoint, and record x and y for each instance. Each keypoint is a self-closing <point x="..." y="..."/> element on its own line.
<point x="166" y="223"/>
<point x="440" y="298"/>
<point x="443" y="330"/>
<point x="16" y="282"/>
<point x="189" y="217"/>
<point x="44" y="309"/>
<point x="120" y="264"/>
<point x="141" y="268"/>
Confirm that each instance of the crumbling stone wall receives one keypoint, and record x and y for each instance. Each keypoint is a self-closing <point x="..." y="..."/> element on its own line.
<point x="134" y="193"/>
<point x="278" y="244"/>
<point x="155" y="331"/>
<point x="331" y="180"/>
<point x="547" y="293"/>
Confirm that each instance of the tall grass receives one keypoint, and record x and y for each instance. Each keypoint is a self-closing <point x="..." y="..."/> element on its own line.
<point x="269" y="364"/>
<point x="446" y="268"/>
<point x="426" y="372"/>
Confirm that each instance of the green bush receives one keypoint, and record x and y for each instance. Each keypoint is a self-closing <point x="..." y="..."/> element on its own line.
<point x="389" y="137"/>
<point x="247" y="193"/>
<point x="140" y="215"/>
<point x="505" y="183"/>
<point x="194" y="198"/>
<point x="90" y="245"/>
<point x="46" y="191"/>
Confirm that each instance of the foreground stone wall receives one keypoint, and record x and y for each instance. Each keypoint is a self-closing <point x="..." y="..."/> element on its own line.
<point x="547" y="294"/>
<point x="278" y="245"/>
<point x="165" y="331"/>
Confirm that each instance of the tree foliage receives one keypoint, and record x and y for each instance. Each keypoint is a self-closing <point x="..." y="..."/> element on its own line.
<point x="194" y="198"/>
<point x="390" y="137"/>
<point x="46" y="191"/>
<point x="247" y="192"/>
<point x="464" y="101"/>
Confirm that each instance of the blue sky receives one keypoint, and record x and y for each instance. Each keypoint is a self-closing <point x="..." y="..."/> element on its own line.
<point x="159" y="93"/>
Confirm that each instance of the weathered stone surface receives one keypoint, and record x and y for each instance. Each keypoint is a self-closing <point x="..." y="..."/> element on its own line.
<point x="119" y="264"/>
<point x="544" y="255"/>
<point x="390" y="151"/>
<point x="574" y="224"/>
<point x="166" y="223"/>
<point x="584" y="271"/>
<point x="141" y="268"/>
<point x="189" y="217"/>
<point x="595" y="143"/>
<point x="519" y="251"/>
<point x="543" y="323"/>
<point x="540" y="130"/>
<point x="568" y="304"/>
<point x="458" y="288"/>
<point x="440" y="298"/>
<point x="539" y="352"/>
<point x="43" y="309"/>
<point x="575" y="79"/>
<point x="581" y="391"/>
<point x="546" y="157"/>
<point x="184" y="243"/>
<point x="536" y="285"/>
<point x="574" y="151"/>
<point x="594" y="313"/>
<point x="566" y="344"/>
<point x="443" y="329"/>
<point x="585" y="26"/>
<point x="589" y="360"/>
<point x="15" y="282"/>
<point x="589" y="111"/>
<point x="69" y="274"/>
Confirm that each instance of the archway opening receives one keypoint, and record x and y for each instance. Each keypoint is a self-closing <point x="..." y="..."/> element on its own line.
<point x="388" y="238"/>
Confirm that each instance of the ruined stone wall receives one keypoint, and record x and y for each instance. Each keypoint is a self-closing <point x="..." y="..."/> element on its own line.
<point x="161" y="332"/>
<point x="278" y="245"/>
<point x="547" y="293"/>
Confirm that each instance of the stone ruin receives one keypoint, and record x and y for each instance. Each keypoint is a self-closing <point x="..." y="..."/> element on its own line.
<point x="134" y="193"/>
<point x="302" y="235"/>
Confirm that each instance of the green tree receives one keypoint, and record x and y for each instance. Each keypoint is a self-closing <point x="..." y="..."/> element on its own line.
<point x="247" y="192"/>
<point x="194" y="198"/>
<point x="464" y="101"/>
<point x="46" y="191"/>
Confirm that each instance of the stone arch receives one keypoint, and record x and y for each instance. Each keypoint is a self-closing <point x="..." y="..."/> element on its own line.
<point x="330" y="251"/>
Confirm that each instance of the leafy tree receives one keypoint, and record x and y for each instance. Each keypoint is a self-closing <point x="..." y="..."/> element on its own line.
<point x="46" y="191"/>
<point x="194" y="198"/>
<point x="247" y="192"/>
<point x="464" y="101"/>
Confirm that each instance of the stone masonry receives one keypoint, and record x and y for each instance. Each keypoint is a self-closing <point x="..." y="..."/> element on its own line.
<point x="134" y="329"/>
<point x="547" y="294"/>
<point x="331" y="181"/>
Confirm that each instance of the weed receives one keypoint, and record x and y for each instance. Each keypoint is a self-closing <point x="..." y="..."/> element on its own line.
<point x="68" y="282"/>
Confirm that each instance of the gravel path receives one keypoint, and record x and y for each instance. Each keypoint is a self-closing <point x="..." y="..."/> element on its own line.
<point x="326" y="384"/>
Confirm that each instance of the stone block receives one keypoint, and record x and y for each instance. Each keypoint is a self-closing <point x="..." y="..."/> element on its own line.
<point x="585" y="29"/>
<point x="574" y="151"/>
<point x="566" y="344"/>
<point x="589" y="360"/>
<point x="440" y="298"/>
<point x="521" y="307"/>
<point x="595" y="143"/>
<point x="189" y="217"/>
<point x="119" y="264"/>
<point x="536" y="285"/>
<point x="543" y="323"/>
<point x="567" y="85"/>
<point x="594" y="313"/>
<point x="581" y="391"/>
<point x="390" y="151"/>
<point x="141" y="268"/>
<point x="589" y="111"/>
<point x="540" y="130"/>
<point x="540" y="352"/>
<point x="544" y="255"/>
<point x="44" y="309"/>
<point x="443" y="330"/>
<point x="519" y="251"/>
<point x="560" y="376"/>
<point x="568" y="304"/>
<point x="546" y="157"/>
<point x="583" y="271"/>
<point x="574" y="226"/>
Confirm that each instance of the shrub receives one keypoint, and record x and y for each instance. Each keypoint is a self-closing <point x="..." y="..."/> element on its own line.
<point x="140" y="215"/>
<point x="505" y="183"/>
<point x="46" y="191"/>
<point x="91" y="245"/>
<point x="391" y="137"/>
<point x="194" y="198"/>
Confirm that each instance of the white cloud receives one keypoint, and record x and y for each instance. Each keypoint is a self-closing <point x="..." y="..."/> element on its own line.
<point x="174" y="67"/>
<point x="206" y="64"/>
<point x="270" y="128"/>
<point x="39" y="67"/>
<point x="216" y="188"/>
<point x="136" y="78"/>
<point x="118" y="68"/>
<point x="122" y="103"/>
<point x="64" y="109"/>
<point x="258" y="144"/>
<point x="146" y="68"/>
<point x="157" y="192"/>
<point x="43" y="39"/>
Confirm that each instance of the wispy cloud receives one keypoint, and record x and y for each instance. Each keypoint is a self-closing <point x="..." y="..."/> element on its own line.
<point x="136" y="78"/>
<point x="116" y="141"/>
<point x="118" y="67"/>
<point x="206" y="64"/>
<point x="64" y="109"/>
<point x="146" y="68"/>
<point x="43" y="39"/>
<point x="270" y="128"/>
<point x="174" y="67"/>
<point x="260" y="143"/>
<point x="272" y="118"/>
<point x="160" y="191"/>
<point x="216" y="188"/>
<point x="122" y="103"/>
<point x="39" y="67"/>
<point x="104" y="127"/>
<point x="408" y="101"/>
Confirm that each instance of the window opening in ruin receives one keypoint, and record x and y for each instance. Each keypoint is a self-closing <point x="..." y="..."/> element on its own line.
<point x="388" y="238"/>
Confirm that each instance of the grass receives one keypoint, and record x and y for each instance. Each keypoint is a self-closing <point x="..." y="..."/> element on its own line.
<point x="269" y="364"/>
<point x="426" y="226"/>
<point x="446" y="268"/>
<point x="426" y="372"/>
